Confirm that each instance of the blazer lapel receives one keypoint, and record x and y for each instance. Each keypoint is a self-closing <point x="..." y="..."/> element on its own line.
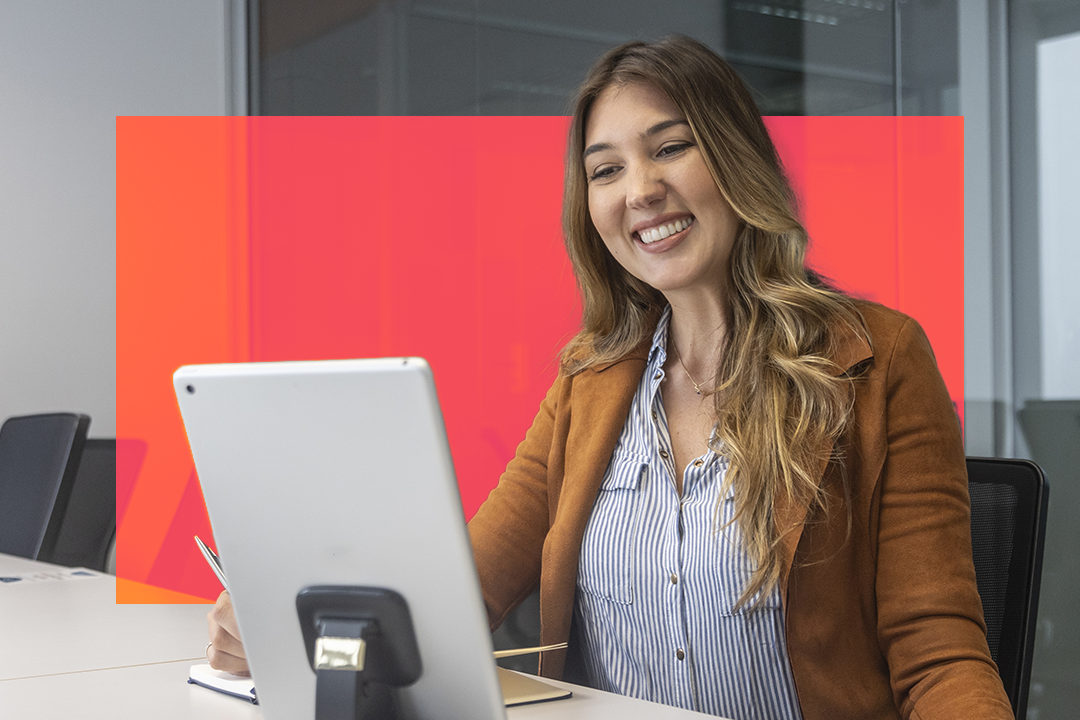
<point x="601" y="402"/>
<point x="601" y="398"/>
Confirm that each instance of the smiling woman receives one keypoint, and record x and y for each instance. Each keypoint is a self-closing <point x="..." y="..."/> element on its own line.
<point x="682" y="138"/>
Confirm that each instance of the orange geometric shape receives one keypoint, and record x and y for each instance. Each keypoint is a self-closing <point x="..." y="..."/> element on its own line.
<point x="181" y="262"/>
<point x="137" y="593"/>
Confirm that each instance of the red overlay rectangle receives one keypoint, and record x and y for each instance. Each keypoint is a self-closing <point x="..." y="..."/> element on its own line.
<point x="257" y="239"/>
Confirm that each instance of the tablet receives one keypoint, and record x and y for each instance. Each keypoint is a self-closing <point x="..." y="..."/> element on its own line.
<point x="339" y="473"/>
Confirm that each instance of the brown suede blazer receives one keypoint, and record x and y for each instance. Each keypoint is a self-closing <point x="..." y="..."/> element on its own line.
<point x="883" y="621"/>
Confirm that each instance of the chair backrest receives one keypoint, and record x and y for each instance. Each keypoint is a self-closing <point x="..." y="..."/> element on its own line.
<point x="39" y="459"/>
<point x="1008" y="530"/>
<point x="89" y="524"/>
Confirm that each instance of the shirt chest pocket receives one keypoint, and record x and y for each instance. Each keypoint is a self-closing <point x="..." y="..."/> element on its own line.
<point x="607" y="565"/>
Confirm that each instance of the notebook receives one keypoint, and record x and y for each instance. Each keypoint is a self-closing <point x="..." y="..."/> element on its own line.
<point x="517" y="689"/>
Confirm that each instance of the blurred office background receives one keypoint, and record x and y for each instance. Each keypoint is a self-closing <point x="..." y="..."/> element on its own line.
<point x="1012" y="69"/>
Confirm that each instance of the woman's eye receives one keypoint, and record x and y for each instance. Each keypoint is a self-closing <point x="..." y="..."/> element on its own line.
<point x="673" y="149"/>
<point x="602" y="172"/>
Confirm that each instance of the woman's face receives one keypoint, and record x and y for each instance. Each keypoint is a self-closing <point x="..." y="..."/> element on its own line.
<point x="651" y="196"/>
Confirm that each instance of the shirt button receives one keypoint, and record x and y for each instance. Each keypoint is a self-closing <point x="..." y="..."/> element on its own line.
<point x="674" y="578"/>
<point x="699" y="462"/>
<point x="663" y="454"/>
<point x="657" y="376"/>
<point x="654" y="415"/>
<point x="679" y="654"/>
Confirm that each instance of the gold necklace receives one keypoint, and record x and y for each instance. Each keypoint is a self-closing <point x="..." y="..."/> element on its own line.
<point x="697" y="386"/>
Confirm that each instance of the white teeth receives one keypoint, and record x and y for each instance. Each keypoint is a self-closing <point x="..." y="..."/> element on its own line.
<point x="659" y="233"/>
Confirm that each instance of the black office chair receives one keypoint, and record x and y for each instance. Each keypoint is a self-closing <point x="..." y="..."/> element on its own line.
<point x="39" y="459"/>
<point x="1008" y="531"/>
<point x="89" y="525"/>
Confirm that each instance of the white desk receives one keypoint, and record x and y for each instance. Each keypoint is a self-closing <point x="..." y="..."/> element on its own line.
<point x="66" y="626"/>
<point x="160" y="691"/>
<point x="68" y="651"/>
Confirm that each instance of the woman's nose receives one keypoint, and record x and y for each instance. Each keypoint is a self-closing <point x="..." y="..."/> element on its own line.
<point x="646" y="187"/>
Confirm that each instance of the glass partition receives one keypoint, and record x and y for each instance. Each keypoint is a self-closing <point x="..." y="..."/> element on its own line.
<point x="511" y="57"/>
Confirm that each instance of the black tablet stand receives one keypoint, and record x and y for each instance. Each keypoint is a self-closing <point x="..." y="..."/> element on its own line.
<point x="361" y="644"/>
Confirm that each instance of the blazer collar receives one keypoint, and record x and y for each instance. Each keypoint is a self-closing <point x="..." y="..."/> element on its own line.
<point x="851" y="350"/>
<point x="640" y="352"/>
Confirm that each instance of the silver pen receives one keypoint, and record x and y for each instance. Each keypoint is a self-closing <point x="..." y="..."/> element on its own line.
<point x="213" y="561"/>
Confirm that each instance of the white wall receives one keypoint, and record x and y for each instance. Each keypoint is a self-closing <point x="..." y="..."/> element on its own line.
<point x="1059" y="231"/>
<point x="67" y="68"/>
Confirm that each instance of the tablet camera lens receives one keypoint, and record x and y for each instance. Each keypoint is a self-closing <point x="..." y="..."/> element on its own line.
<point x="191" y="389"/>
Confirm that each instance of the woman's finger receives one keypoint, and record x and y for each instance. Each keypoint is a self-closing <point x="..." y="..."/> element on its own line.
<point x="229" y="663"/>
<point x="226" y="650"/>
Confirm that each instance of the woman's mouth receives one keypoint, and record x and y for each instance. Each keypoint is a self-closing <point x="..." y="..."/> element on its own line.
<point x="660" y="232"/>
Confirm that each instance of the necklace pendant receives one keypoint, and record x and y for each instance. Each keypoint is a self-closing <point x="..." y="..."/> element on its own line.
<point x="697" y="388"/>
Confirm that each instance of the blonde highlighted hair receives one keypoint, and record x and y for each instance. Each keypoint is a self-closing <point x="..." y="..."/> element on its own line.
<point x="780" y="403"/>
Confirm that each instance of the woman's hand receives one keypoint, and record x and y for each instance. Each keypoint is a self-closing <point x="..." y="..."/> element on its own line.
<point x="226" y="651"/>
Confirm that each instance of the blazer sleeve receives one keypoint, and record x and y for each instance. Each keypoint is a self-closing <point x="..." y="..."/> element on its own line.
<point x="509" y="529"/>
<point x="930" y="621"/>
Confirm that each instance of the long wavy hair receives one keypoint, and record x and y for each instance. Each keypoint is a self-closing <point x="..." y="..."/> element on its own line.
<point x="780" y="403"/>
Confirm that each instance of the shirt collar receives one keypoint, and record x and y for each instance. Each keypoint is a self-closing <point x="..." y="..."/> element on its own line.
<point x="658" y="349"/>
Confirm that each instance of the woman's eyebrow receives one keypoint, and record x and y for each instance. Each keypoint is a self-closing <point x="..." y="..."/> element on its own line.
<point x="657" y="128"/>
<point x="595" y="147"/>
<point x="662" y="126"/>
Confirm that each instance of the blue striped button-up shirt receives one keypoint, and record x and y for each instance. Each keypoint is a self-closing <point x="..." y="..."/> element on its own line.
<point x="660" y="574"/>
